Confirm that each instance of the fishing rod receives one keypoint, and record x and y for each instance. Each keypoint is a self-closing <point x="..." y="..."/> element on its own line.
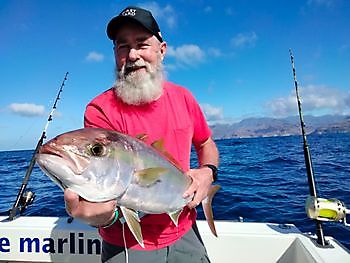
<point x="307" y="156"/>
<point x="26" y="198"/>
<point x="318" y="209"/>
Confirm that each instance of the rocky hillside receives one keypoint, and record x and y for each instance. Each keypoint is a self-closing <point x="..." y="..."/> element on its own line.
<point x="267" y="127"/>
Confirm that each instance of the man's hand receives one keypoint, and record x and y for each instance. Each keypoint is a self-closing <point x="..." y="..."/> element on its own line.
<point x="202" y="178"/>
<point x="201" y="182"/>
<point x="94" y="214"/>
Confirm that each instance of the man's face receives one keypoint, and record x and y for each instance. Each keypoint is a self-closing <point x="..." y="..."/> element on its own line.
<point x="138" y="56"/>
<point x="133" y="43"/>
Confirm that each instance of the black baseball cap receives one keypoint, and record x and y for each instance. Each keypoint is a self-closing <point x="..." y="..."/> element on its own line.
<point x="134" y="14"/>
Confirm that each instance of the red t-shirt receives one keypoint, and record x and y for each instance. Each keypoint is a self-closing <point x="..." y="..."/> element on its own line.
<point x="177" y="119"/>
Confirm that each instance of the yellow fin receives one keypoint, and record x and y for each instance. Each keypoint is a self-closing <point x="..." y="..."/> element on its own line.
<point x="159" y="145"/>
<point x="149" y="176"/>
<point x="133" y="221"/>
<point x="207" y="208"/>
<point x="174" y="216"/>
<point x="143" y="137"/>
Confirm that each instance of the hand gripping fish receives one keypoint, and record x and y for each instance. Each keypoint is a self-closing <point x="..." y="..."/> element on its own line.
<point x="101" y="165"/>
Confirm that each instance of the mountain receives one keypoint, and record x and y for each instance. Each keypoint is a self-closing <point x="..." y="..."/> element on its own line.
<point x="337" y="127"/>
<point x="268" y="127"/>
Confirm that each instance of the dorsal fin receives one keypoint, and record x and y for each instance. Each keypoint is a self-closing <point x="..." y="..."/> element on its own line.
<point x="142" y="136"/>
<point x="159" y="146"/>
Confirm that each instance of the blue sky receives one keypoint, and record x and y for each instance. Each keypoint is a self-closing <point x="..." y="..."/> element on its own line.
<point x="232" y="55"/>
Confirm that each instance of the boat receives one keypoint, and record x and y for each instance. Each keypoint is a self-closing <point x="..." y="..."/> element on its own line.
<point x="60" y="239"/>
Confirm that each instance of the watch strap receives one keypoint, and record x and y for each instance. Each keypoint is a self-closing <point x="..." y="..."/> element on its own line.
<point x="214" y="169"/>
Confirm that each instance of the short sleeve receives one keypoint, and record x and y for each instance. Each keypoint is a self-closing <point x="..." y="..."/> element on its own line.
<point x="94" y="117"/>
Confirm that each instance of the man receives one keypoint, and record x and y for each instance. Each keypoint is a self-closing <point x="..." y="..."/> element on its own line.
<point x="142" y="102"/>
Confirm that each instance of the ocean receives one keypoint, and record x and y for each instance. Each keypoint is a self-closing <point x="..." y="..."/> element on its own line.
<point x="262" y="179"/>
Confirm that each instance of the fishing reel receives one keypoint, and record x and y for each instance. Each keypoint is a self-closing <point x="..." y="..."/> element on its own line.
<point x="327" y="210"/>
<point x="26" y="199"/>
<point x="22" y="202"/>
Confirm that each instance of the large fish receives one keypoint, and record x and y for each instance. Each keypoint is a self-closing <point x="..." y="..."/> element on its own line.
<point x="101" y="165"/>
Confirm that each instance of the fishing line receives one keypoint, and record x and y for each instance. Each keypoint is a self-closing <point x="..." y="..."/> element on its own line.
<point x="318" y="209"/>
<point x="125" y="247"/>
<point x="307" y="155"/>
<point x="26" y="198"/>
<point x="26" y="133"/>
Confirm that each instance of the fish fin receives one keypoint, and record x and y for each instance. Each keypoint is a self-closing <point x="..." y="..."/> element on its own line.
<point x="207" y="208"/>
<point x="159" y="145"/>
<point x="142" y="136"/>
<point x="133" y="221"/>
<point x="149" y="176"/>
<point x="175" y="216"/>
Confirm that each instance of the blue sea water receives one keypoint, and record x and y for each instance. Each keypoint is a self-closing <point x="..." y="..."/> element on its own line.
<point x="262" y="179"/>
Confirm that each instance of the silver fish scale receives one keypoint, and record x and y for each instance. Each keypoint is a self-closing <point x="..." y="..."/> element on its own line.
<point x="164" y="195"/>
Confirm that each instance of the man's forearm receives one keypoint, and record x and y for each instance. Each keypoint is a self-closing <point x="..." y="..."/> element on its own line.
<point x="208" y="153"/>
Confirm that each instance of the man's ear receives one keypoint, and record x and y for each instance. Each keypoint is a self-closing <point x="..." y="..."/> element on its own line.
<point x="163" y="47"/>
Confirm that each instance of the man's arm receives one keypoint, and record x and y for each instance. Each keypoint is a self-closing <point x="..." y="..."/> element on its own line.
<point x="203" y="176"/>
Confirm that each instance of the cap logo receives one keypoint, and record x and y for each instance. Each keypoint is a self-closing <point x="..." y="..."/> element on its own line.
<point x="129" y="12"/>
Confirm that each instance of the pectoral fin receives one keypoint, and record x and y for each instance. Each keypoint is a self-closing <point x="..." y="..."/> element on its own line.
<point x="175" y="216"/>
<point x="208" y="210"/>
<point x="149" y="176"/>
<point x="133" y="221"/>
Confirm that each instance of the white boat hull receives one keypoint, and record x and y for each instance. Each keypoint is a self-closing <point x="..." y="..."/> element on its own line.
<point x="53" y="239"/>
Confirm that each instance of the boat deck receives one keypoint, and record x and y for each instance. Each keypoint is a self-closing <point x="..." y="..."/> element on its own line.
<point x="53" y="239"/>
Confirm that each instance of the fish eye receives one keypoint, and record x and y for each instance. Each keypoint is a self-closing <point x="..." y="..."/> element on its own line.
<point x="97" y="149"/>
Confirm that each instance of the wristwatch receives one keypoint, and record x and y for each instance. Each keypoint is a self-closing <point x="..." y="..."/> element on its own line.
<point x="214" y="169"/>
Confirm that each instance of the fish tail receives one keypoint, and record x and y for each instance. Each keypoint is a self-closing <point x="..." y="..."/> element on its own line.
<point x="207" y="208"/>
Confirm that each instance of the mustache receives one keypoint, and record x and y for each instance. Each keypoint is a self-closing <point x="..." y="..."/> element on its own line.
<point x="133" y="65"/>
<point x="137" y="63"/>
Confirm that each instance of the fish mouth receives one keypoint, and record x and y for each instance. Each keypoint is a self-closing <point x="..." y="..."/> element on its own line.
<point x="70" y="155"/>
<point x="49" y="149"/>
<point x="53" y="176"/>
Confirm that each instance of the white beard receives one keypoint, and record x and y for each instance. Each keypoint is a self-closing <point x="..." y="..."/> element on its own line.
<point x="136" y="88"/>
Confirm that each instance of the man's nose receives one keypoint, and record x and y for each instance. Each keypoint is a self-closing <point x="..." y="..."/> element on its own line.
<point x="133" y="54"/>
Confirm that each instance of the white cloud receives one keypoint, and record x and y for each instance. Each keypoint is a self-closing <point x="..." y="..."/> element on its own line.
<point x="94" y="56"/>
<point x="283" y="107"/>
<point x="27" y="109"/>
<point x="165" y="13"/>
<point x="244" y="40"/>
<point x="212" y="114"/>
<point x="187" y="54"/>
<point x="314" y="99"/>
<point x="57" y="114"/>
<point x="215" y="52"/>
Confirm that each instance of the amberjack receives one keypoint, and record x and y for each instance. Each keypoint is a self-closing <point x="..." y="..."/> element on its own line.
<point x="101" y="165"/>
